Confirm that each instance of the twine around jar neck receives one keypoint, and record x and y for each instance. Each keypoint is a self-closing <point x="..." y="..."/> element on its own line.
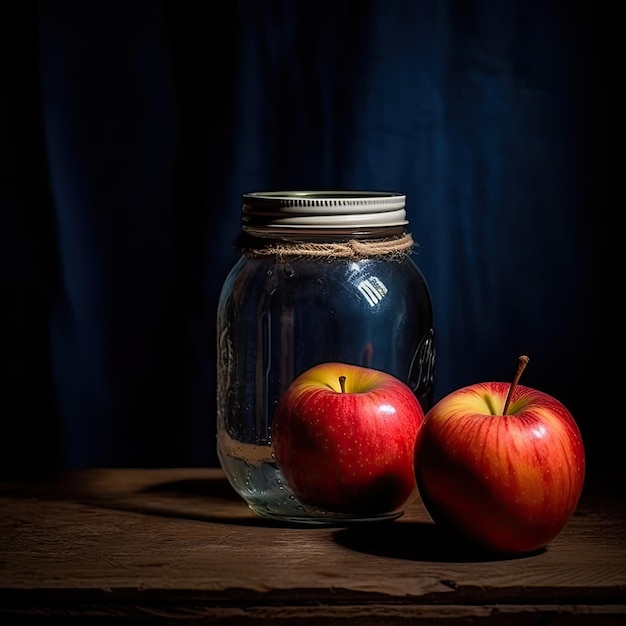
<point x="395" y="248"/>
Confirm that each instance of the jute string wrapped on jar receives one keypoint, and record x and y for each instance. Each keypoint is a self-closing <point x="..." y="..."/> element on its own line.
<point x="351" y="250"/>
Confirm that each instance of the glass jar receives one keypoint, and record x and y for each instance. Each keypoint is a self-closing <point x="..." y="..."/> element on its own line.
<point x="323" y="276"/>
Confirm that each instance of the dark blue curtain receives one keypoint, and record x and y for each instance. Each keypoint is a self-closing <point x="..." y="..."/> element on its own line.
<point x="129" y="131"/>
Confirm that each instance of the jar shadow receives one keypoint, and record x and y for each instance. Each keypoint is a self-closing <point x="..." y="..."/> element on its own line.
<point x="213" y="487"/>
<point x="207" y="499"/>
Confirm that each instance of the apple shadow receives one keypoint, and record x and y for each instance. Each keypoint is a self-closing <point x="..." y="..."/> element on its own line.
<point x="418" y="541"/>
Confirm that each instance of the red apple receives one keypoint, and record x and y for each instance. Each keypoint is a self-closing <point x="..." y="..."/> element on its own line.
<point x="501" y="465"/>
<point x="343" y="437"/>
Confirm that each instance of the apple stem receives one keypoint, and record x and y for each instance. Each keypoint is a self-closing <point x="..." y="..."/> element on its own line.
<point x="523" y="361"/>
<point x="342" y="383"/>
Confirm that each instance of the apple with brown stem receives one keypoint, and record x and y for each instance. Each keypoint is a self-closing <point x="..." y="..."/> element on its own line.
<point x="343" y="436"/>
<point x="501" y="465"/>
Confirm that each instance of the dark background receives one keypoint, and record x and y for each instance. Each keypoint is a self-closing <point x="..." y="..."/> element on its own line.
<point x="129" y="131"/>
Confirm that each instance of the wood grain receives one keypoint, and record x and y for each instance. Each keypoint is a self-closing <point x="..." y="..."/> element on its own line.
<point x="179" y="544"/>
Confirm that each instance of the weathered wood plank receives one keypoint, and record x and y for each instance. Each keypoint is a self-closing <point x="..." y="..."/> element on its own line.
<point x="340" y="615"/>
<point x="181" y="540"/>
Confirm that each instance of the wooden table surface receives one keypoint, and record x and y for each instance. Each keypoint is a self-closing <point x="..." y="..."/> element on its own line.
<point x="178" y="546"/>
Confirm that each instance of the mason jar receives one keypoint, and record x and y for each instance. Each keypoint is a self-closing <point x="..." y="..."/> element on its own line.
<point x="322" y="277"/>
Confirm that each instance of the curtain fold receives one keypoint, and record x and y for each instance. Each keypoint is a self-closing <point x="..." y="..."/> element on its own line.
<point x="132" y="129"/>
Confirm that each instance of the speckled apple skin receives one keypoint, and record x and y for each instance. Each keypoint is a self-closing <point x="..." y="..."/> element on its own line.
<point x="349" y="452"/>
<point x="508" y="483"/>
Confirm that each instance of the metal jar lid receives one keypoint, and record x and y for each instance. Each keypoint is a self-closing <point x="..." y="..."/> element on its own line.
<point x="289" y="211"/>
